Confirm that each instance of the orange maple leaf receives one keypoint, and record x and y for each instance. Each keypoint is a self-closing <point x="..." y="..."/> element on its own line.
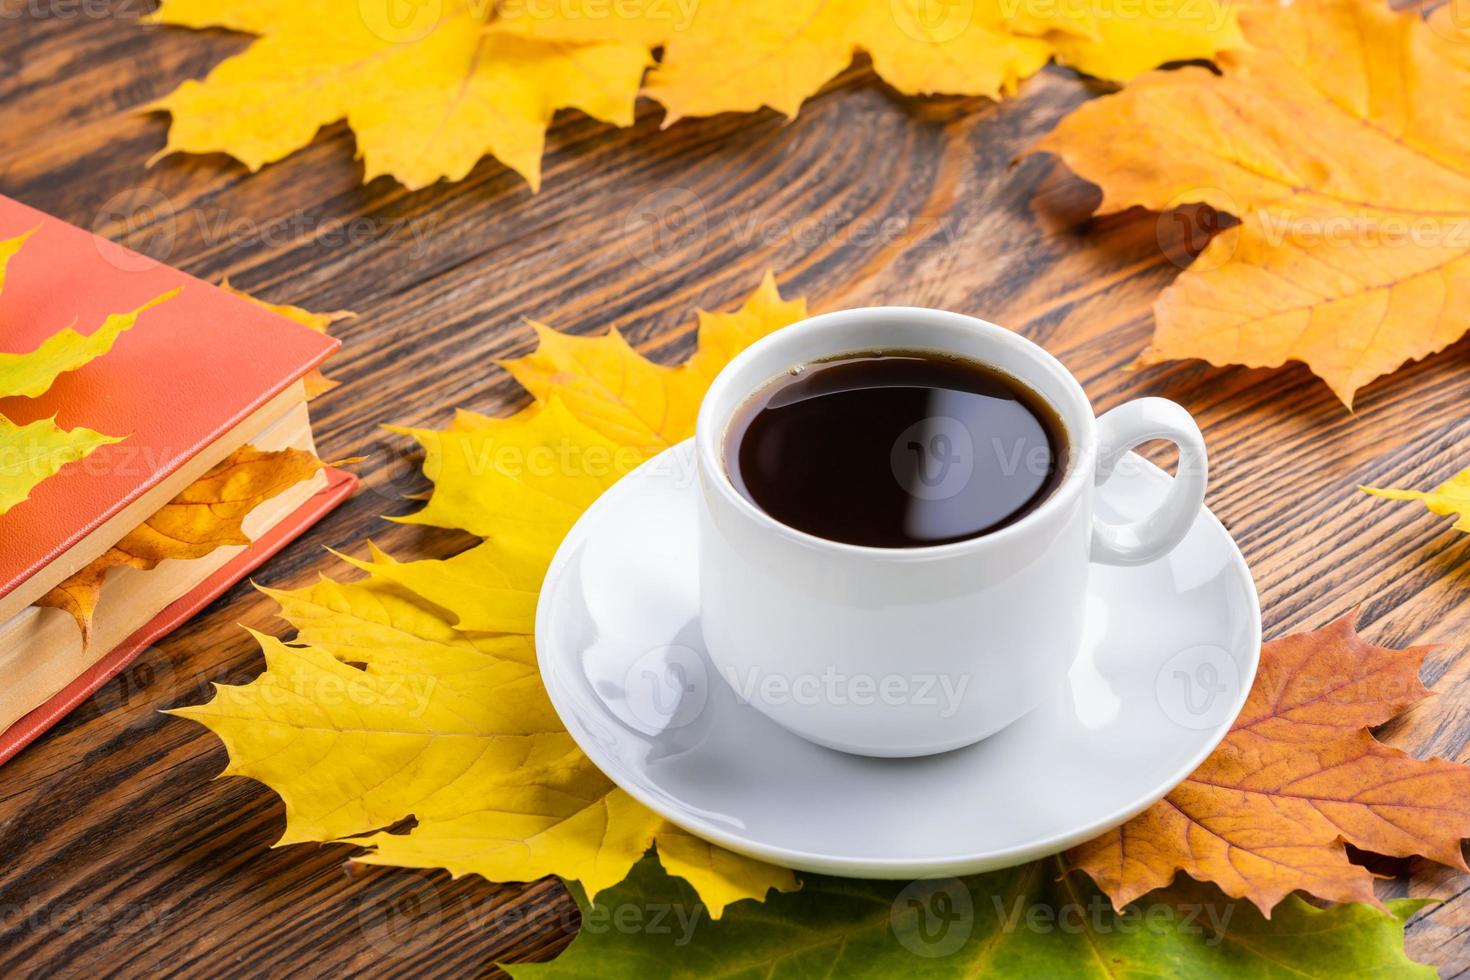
<point x="1298" y="775"/>
<point x="207" y="514"/>
<point x="1341" y="140"/>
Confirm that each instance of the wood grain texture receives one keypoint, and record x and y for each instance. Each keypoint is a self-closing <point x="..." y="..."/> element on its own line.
<point x="118" y="849"/>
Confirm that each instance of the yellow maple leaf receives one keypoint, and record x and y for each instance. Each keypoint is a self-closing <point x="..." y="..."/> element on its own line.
<point x="738" y="55"/>
<point x="602" y="409"/>
<point x="316" y="382"/>
<point x="525" y="480"/>
<point x="32" y="374"/>
<point x="427" y="96"/>
<point x="9" y="248"/>
<point x="1449" y="499"/>
<point x="1341" y="140"/>
<point x="206" y="515"/>
<point x="415" y="691"/>
<point x="32" y="453"/>
<point x="433" y="87"/>
<point x="607" y="386"/>
<point x="490" y="587"/>
<point x="452" y="728"/>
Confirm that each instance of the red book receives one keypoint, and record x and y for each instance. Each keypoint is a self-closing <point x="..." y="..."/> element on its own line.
<point x="197" y="377"/>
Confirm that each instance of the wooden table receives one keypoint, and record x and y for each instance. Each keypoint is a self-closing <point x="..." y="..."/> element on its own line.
<point x="119" y="850"/>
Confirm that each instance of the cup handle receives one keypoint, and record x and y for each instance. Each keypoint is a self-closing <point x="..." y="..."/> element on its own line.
<point x="1118" y="432"/>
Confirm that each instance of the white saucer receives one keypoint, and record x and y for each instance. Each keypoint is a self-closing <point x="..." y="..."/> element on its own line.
<point x="1170" y="653"/>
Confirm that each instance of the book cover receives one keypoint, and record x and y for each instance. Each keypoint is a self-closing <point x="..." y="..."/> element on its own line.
<point x="194" y="379"/>
<point x="193" y="370"/>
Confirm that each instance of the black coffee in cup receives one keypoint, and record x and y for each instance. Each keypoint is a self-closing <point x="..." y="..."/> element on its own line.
<point x="896" y="449"/>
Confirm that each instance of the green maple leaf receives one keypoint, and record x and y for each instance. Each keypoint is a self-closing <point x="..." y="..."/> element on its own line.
<point x="1031" y="921"/>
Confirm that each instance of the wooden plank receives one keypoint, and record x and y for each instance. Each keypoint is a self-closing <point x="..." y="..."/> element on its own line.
<point x="122" y="852"/>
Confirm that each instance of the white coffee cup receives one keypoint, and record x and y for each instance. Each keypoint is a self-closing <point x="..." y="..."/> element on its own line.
<point x="911" y="651"/>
